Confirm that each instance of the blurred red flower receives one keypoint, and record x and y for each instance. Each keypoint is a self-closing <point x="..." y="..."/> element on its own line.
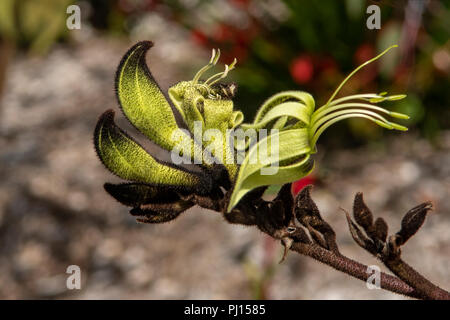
<point x="301" y="69"/>
<point x="233" y="42"/>
<point x="240" y="3"/>
<point x="130" y="6"/>
<point x="199" y="37"/>
<point x="298" y="185"/>
<point x="363" y="53"/>
<point x="327" y="65"/>
<point x="224" y="33"/>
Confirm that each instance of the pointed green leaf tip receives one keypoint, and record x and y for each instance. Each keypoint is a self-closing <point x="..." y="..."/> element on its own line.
<point x="141" y="99"/>
<point x="127" y="159"/>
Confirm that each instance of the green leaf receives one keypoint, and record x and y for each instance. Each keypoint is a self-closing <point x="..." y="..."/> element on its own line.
<point x="127" y="159"/>
<point x="7" y="18"/>
<point x="41" y="23"/>
<point x="141" y="99"/>
<point x="293" y="162"/>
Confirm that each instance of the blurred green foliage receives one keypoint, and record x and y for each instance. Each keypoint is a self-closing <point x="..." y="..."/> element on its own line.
<point x="34" y="25"/>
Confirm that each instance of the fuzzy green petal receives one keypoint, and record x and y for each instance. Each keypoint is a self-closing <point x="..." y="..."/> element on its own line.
<point x="141" y="99"/>
<point x="127" y="159"/>
<point x="218" y="114"/>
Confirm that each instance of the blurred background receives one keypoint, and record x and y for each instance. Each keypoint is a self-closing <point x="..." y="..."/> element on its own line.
<point x="55" y="82"/>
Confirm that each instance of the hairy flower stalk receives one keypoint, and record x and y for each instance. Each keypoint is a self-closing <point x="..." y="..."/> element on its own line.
<point x="228" y="158"/>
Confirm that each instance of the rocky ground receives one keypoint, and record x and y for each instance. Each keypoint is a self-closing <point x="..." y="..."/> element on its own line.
<point x="54" y="212"/>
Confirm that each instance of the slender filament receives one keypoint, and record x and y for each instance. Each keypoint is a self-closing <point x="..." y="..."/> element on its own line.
<point x="353" y="72"/>
<point x="215" y="55"/>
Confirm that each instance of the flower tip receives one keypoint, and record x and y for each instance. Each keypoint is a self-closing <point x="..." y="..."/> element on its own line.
<point x="398" y="126"/>
<point x="384" y="124"/>
<point x="213" y="55"/>
<point x="396" y="97"/>
<point x="216" y="56"/>
<point x="399" y="115"/>
<point x="377" y="99"/>
<point x="391" y="47"/>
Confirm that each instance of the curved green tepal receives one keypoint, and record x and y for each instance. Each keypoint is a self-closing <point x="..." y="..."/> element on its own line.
<point x="290" y="162"/>
<point x="141" y="99"/>
<point x="286" y="96"/>
<point x="296" y="110"/>
<point x="128" y="160"/>
<point x="286" y="174"/>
